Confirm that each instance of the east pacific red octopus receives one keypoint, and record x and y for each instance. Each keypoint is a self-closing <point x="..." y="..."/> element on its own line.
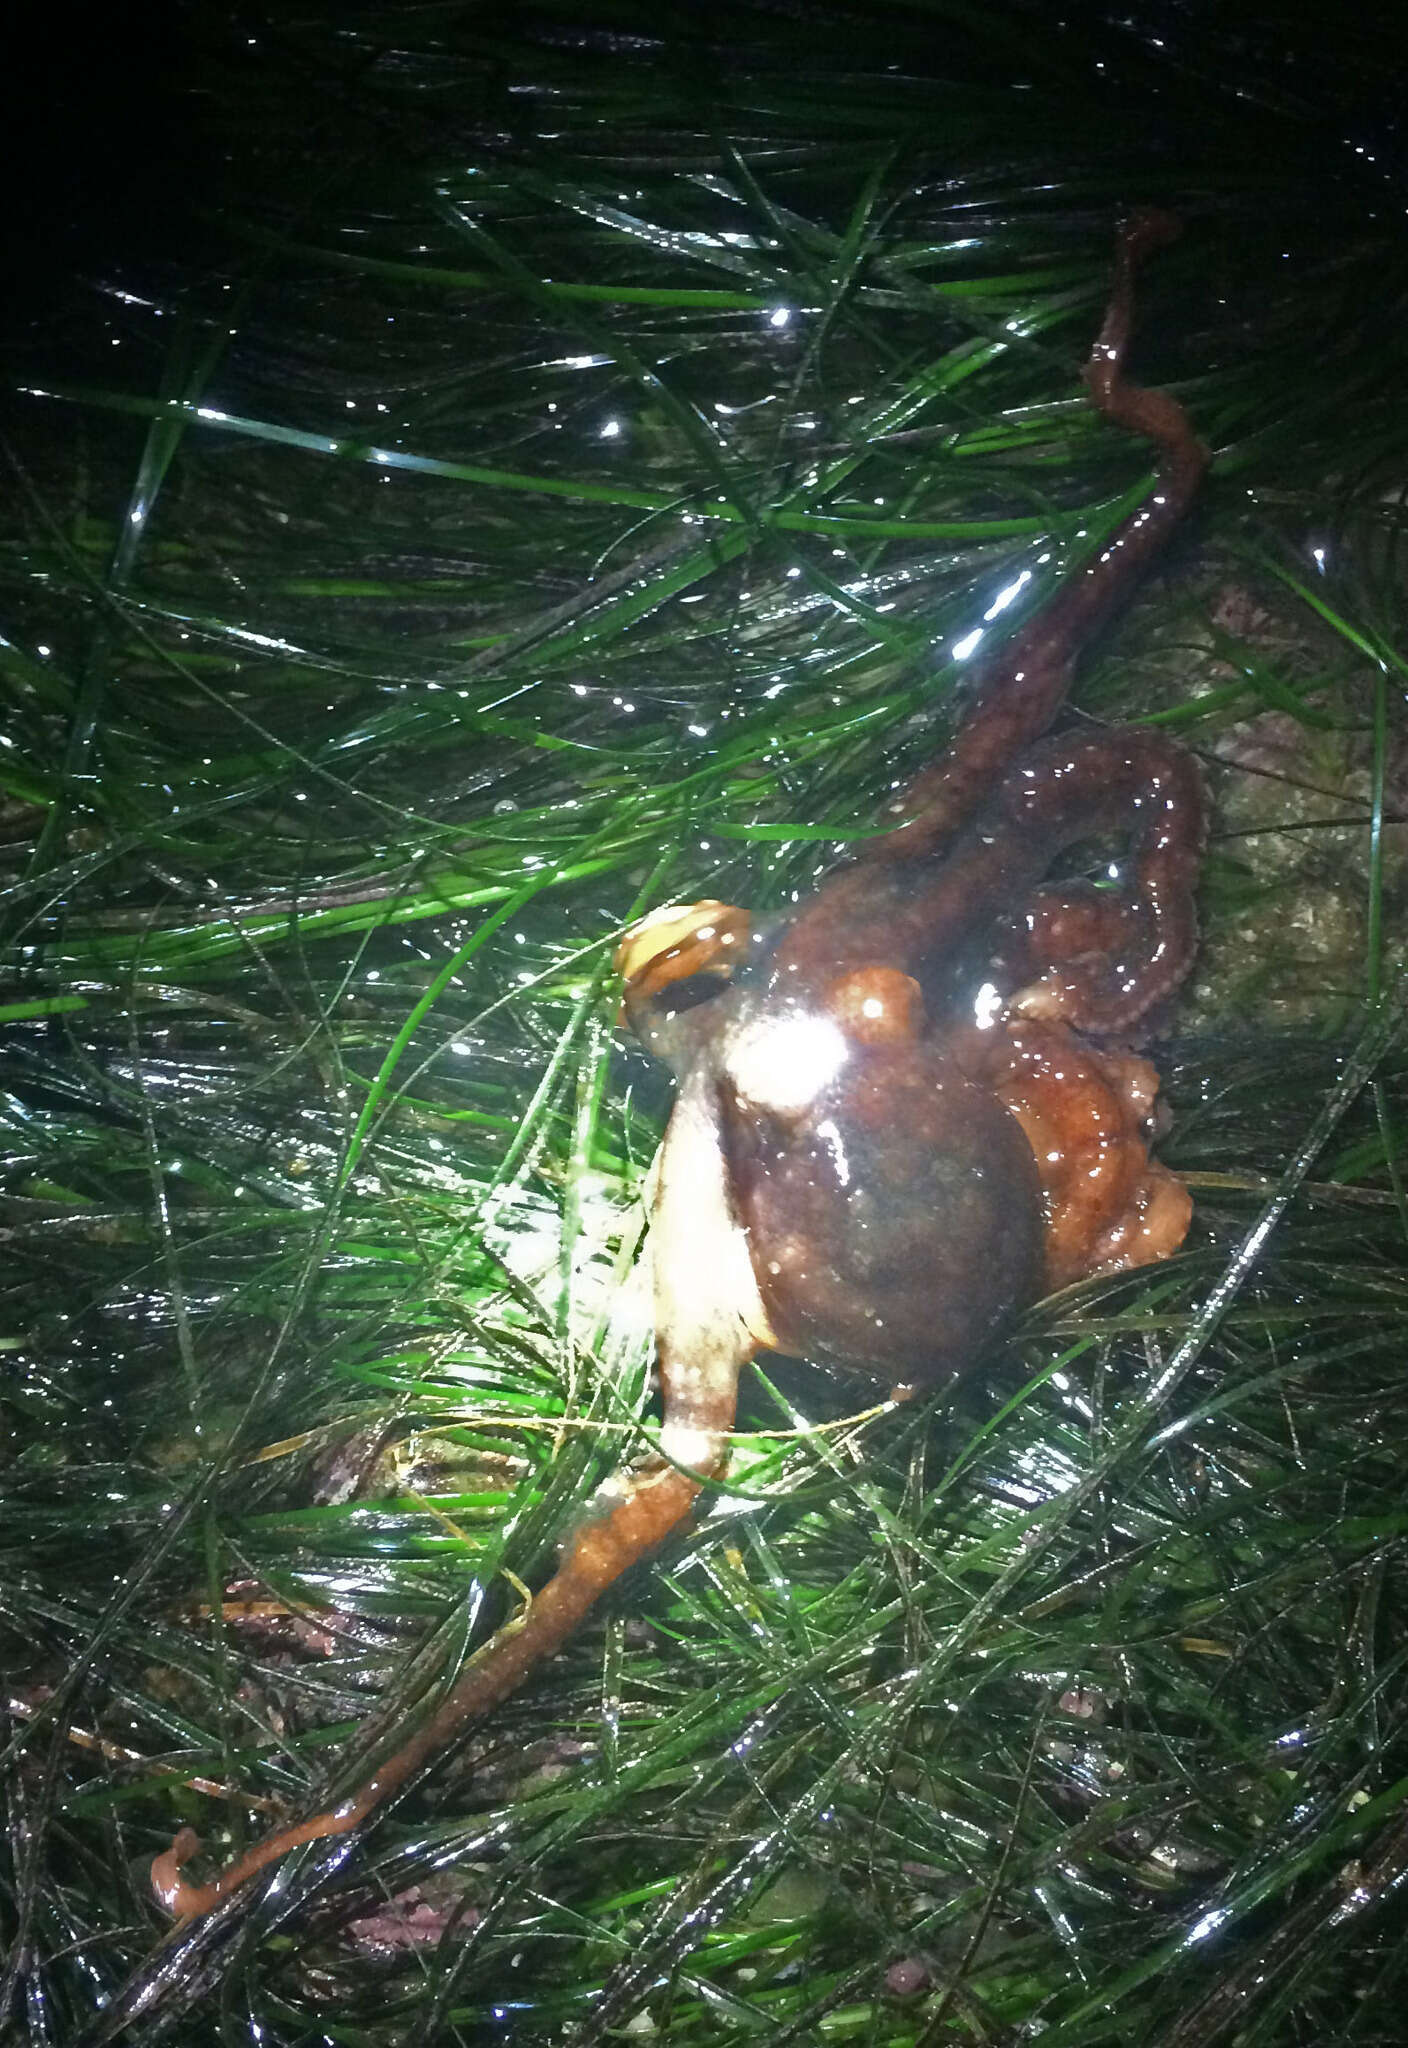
<point x="910" y="1108"/>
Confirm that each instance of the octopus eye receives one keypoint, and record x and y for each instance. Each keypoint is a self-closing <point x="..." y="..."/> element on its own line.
<point x="679" y="945"/>
<point x="693" y="989"/>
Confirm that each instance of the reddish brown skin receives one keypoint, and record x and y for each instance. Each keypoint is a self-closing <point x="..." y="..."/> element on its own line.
<point x="943" y="1163"/>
